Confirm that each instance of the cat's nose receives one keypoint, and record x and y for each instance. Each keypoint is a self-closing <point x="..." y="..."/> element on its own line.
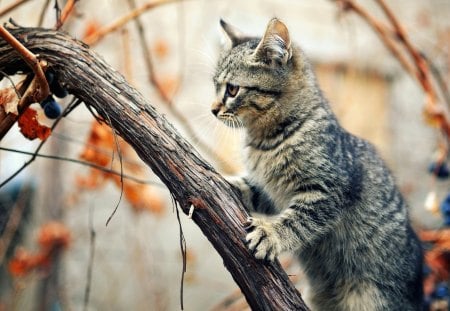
<point x="215" y="110"/>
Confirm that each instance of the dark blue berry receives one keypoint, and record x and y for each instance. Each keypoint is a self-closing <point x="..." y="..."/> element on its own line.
<point x="445" y="210"/>
<point x="426" y="304"/>
<point x="52" y="109"/>
<point x="46" y="101"/>
<point x="440" y="170"/>
<point x="441" y="291"/>
<point x="426" y="270"/>
<point x="58" y="90"/>
<point x="54" y="84"/>
<point x="50" y="76"/>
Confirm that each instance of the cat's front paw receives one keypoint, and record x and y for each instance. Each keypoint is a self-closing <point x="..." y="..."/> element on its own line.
<point x="263" y="240"/>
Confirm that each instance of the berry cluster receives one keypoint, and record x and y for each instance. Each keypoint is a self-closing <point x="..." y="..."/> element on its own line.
<point x="439" y="298"/>
<point x="439" y="169"/>
<point x="52" y="108"/>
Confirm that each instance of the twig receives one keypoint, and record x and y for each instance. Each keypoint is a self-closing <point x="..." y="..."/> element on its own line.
<point x="384" y="33"/>
<point x="98" y="35"/>
<point x="183" y="252"/>
<point x="85" y="163"/>
<point x="101" y="150"/>
<point x="422" y="67"/>
<point x="116" y="142"/>
<point x="439" y="80"/>
<point x="65" y="13"/>
<point x="57" y="10"/>
<point x="12" y="7"/>
<point x="419" y="69"/>
<point x="127" y="56"/>
<point x="31" y="60"/>
<point x="92" y="236"/>
<point x="42" y="15"/>
<point x="36" y="91"/>
<point x="13" y="222"/>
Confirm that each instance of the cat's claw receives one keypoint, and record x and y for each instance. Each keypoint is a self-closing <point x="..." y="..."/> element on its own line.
<point x="248" y="224"/>
<point x="263" y="240"/>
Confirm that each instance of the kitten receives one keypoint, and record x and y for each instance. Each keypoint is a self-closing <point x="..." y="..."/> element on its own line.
<point x="330" y="196"/>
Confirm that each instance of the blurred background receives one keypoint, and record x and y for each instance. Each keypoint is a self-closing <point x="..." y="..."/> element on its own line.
<point x="56" y="253"/>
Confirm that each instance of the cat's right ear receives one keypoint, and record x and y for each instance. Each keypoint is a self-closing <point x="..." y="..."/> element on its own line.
<point x="234" y="35"/>
<point x="275" y="45"/>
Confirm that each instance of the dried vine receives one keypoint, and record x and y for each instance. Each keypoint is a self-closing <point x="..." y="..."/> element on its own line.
<point x="192" y="181"/>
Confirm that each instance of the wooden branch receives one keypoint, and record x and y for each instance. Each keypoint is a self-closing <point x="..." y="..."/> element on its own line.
<point x="191" y="181"/>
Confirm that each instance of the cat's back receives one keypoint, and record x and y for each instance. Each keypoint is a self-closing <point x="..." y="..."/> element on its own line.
<point x="373" y="231"/>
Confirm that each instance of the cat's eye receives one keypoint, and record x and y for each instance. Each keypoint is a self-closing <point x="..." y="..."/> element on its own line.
<point x="232" y="90"/>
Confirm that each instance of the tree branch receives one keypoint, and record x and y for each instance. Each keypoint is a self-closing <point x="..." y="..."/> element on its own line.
<point x="191" y="180"/>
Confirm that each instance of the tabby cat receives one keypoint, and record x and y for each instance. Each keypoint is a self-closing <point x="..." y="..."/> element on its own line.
<point x="328" y="194"/>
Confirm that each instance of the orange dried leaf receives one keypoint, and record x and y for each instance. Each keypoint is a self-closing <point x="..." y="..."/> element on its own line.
<point x="440" y="238"/>
<point x="99" y="149"/>
<point x="30" y="127"/>
<point x="21" y="263"/>
<point x="91" y="27"/>
<point x="92" y="155"/>
<point x="9" y="100"/>
<point x="438" y="261"/>
<point x="99" y="145"/>
<point x="167" y="86"/>
<point x="54" y="235"/>
<point x="437" y="258"/>
<point x="92" y="181"/>
<point x="143" y="198"/>
<point x="161" y="48"/>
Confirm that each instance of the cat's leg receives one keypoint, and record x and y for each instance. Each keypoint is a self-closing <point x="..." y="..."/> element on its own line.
<point x="310" y="215"/>
<point x="253" y="197"/>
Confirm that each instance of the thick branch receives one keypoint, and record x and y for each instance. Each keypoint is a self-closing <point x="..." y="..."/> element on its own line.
<point x="192" y="181"/>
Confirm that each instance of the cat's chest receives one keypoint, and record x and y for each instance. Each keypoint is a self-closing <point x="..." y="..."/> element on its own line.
<point x="275" y="171"/>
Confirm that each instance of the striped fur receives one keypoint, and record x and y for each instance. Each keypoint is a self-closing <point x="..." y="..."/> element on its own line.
<point x="330" y="196"/>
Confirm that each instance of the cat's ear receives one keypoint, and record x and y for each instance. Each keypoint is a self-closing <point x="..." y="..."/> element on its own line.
<point x="235" y="35"/>
<point x="275" y="46"/>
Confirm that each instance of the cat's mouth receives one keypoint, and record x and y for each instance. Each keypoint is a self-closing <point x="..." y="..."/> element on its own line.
<point x="227" y="116"/>
<point x="230" y="119"/>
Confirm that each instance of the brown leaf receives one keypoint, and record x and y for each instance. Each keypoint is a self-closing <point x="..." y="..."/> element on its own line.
<point x="167" y="86"/>
<point x="99" y="148"/>
<point x="437" y="258"/>
<point x="54" y="235"/>
<point x="9" y="100"/>
<point x="91" y="27"/>
<point x="22" y="262"/>
<point x="30" y="127"/>
<point x="99" y="145"/>
<point x="161" y="48"/>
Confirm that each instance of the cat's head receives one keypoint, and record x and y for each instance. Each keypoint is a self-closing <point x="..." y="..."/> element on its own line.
<point x="252" y="75"/>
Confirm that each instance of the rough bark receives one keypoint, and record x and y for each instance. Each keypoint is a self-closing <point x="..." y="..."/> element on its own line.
<point x="190" y="179"/>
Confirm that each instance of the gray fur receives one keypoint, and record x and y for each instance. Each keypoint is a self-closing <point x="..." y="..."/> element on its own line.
<point x="330" y="196"/>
